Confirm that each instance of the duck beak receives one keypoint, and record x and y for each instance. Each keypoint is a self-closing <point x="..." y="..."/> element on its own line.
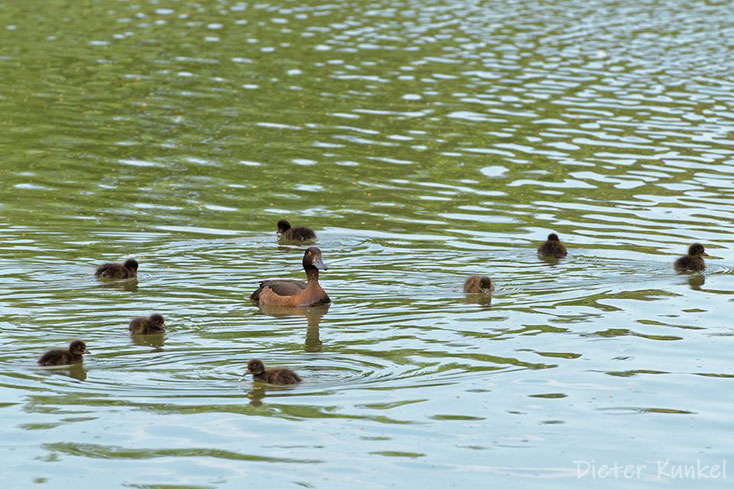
<point x="319" y="264"/>
<point x="705" y="254"/>
<point x="85" y="351"/>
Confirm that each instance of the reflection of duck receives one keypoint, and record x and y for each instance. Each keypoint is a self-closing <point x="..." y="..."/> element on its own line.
<point x="313" y="316"/>
<point x="278" y="376"/>
<point x="129" y="269"/>
<point x="477" y="284"/>
<point x="693" y="261"/>
<point x="155" y="324"/>
<point x="553" y="248"/>
<point x="299" y="233"/>
<point x="77" y="348"/>
<point x="153" y="340"/>
<point x="295" y="293"/>
<point x="696" y="280"/>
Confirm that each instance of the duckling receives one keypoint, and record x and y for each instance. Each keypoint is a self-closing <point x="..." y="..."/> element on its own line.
<point x="77" y="348"/>
<point x="693" y="261"/>
<point x="553" y="248"/>
<point x="129" y="269"/>
<point x="477" y="284"/>
<point x="295" y="293"/>
<point x="155" y="324"/>
<point x="273" y="375"/>
<point x="300" y="233"/>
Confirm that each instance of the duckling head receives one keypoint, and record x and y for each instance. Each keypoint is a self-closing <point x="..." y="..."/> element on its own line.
<point x="157" y="321"/>
<point x="256" y="367"/>
<point x="283" y="226"/>
<point x="78" y="347"/>
<point x="697" y="249"/>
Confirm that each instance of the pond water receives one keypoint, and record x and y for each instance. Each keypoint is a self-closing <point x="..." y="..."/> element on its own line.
<point x="425" y="141"/>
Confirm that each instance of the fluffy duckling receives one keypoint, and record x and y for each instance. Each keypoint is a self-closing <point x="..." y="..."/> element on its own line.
<point x="295" y="293"/>
<point x="77" y="348"/>
<point x="693" y="261"/>
<point x="553" y="248"/>
<point x="299" y="233"/>
<point x="279" y="376"/>
<point x="477" y="284"/>
<point x="129" y="269"/>
<point x="155" y="324"/>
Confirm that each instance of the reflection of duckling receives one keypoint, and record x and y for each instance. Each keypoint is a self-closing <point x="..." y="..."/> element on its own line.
<point x="295" y="293"/>
<point x="553" y="248"/>
<point x="477" y="284"/>
<point x="155" y="324"/>
<point x="129" y="269"/>
<point x="299" y="233"/>
<point x="77" y="348"/>
<point x="273" y="375"/>
<point x="693" y="261"/>
<point x="696" y="280"/>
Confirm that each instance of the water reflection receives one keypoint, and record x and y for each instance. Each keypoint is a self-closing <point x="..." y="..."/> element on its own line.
<point x="696" y="281"/>
<point x="154" y="340"/>
<point x="130" y="285"/>
<point x="76" y="371"/>
<point x="313" y="317"/>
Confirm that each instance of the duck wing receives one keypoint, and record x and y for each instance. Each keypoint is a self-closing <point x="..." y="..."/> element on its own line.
<point x="280" y="287"/>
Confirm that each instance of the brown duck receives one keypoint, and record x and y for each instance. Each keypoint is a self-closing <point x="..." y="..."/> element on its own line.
<point x="129" y="269"/>
<point x="155" y="324"/>
<point x="280" y="376"/>
<point x="553" y="248"/>
<point x="693" y="261"/>
<point x="299" y="233"/>
<point x="477" y="284"/>
<point x="295" y="293"/>
<point x="77" y="348"/>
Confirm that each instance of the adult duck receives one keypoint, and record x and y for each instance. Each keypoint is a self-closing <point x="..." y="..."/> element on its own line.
<point x="553" y="248"/>
<point x="298" y="233"/>
<point x="693" y="261"/>
<point x="295" y="293"/>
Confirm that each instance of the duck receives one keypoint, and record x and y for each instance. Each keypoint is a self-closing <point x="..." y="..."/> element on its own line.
<point x="278" y="376"/>
<point x="478" y="284"/>
<point x="295" y="293"/>
<point x="129" y="269"/>
<point x="77" y="348"/>
<point x="299" y="233"/>
<point x="155" y="324"/>
<point x="693" y="261"/>
<point x="553" y="248"/>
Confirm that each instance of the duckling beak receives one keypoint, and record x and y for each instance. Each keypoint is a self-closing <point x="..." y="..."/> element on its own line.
<point x="319" y="264"/>
<point x="703" y="253"/>
<point x="85" y="351"/>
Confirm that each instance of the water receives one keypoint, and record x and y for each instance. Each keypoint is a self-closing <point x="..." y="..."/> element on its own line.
<point x="425" y="142"/>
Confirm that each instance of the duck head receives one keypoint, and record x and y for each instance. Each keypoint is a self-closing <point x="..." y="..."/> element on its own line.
<point x="553" y="237"/>
<point x="312" y="259"/>
<point x="130" y="264"/>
